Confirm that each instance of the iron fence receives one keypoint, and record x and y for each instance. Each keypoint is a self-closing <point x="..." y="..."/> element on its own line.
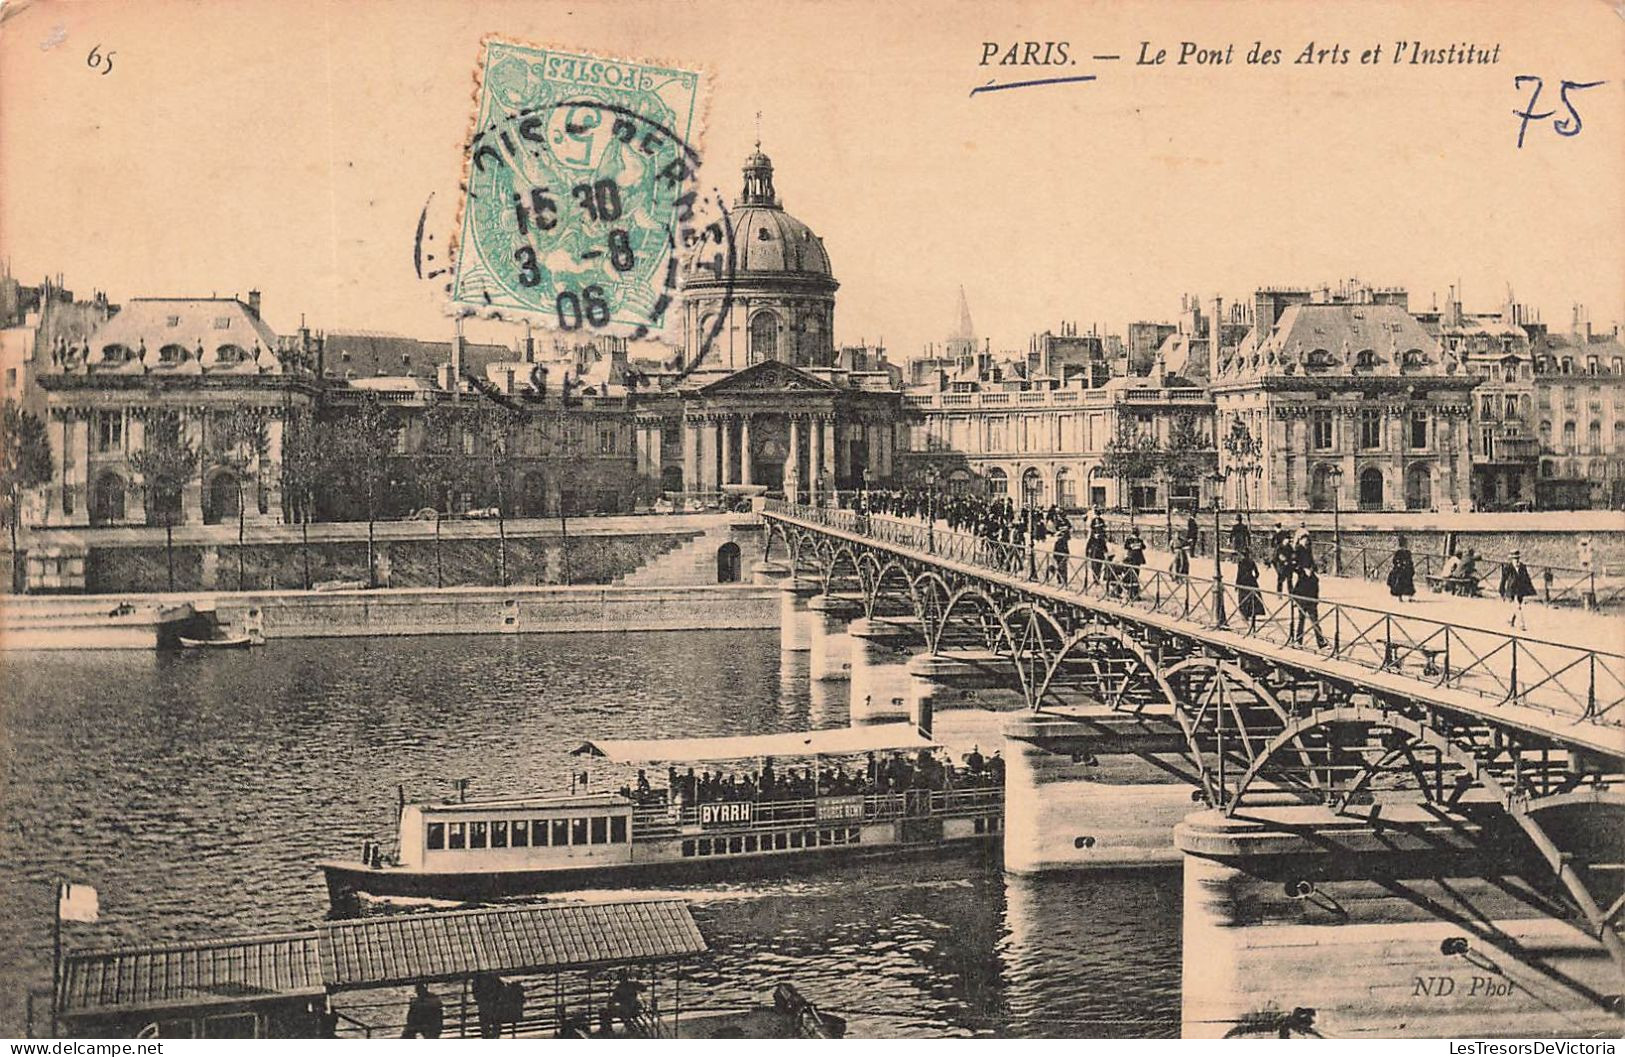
<point x="1562" y="679"/>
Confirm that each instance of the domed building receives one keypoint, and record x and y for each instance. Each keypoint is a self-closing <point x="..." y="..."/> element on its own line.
<point x="760" y="396"/>
<point x="774" y="295"/>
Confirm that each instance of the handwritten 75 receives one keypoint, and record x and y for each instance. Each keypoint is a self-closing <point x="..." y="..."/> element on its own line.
<point x="1563" y="126"/>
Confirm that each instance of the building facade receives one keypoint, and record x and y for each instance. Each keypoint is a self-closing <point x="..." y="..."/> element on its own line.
<point x="1052" y="445"/>
<point x="1495" y="347"/>
<point x="191" y="367"/>
<point x="1579" y="400"/>
<point x="1347" y="401"/>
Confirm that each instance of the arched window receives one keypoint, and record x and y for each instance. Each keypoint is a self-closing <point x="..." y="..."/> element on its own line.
<point x="107" y="500"/>
<point x="223" y="500"/>
<point x="1319" y="360"/>
<point x="1419" y="487"/>
<point x="227" y="354"/>
<point x="1594" y="437"/>
<point x="1414" y="359"/>
<point x="1066" y="494"/>
<point x="1371" y="489"/>
<point x="764" y="337"/>
<point x="116" y="353"/>
<point x="1569" y="437"/>
<point x="998" y="484"/>
<point x="172" y="354"/>
<point x="1365" y="360"/>
<point x="1032" y="488"/>
<point x="1322" y="484"/>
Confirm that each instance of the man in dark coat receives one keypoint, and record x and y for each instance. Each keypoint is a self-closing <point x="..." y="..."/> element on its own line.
<point x="1306" y="599"/>
<point x="1515" y="587"/>
<point x="1282" y="557"/>
<point x="1241" y="538"/>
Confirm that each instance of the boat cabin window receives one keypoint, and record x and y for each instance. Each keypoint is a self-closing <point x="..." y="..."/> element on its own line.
<point x="527" y="833"/>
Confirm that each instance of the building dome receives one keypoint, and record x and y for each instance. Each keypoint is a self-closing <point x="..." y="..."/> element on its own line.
<point x="766" y="239"/>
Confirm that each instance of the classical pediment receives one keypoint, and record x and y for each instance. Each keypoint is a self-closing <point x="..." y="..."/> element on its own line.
<point x="769" y="376"/>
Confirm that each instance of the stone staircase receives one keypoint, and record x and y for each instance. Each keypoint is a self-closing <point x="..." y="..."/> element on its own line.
<point x="695" y="561"/>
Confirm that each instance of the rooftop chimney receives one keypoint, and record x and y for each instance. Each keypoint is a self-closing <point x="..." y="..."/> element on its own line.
<point x="456" y="361"/>
<point x="254" y="303"/>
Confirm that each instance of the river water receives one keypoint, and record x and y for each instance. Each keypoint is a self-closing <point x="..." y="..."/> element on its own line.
<point x="195" y="791"/>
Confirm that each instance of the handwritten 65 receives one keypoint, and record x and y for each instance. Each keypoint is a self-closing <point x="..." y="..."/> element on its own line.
<point x="1563" y="126"/>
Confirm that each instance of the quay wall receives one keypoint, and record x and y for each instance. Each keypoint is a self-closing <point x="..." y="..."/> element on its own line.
<point x="465" y="553"/>
<point x="401" y="563"/>
<point x="475" y="611"/>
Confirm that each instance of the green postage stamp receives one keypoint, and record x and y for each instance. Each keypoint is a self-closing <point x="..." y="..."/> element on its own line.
<point x="578" y="190"/>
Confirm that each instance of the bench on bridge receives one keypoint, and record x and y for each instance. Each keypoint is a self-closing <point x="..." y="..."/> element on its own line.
<point x="1454" y="585"/>
<point x="1395" y="653"/>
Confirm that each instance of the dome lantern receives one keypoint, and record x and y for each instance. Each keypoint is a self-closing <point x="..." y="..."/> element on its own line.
<point x="758" y="187"/>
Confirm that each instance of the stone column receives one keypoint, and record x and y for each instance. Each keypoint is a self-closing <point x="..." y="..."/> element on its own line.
<point x="654" y="450"/>
<point x="691" y="455"/>
<point x="792" y="460"/>
<point x="708" y="457"/>
<point x="729" y="475"/>
<point x="815" y="456"/>
<point x="192" y="491"/>
<point x="744" y="450"/>
<point x="888" y="437"/>
<point x="827" y="471"/>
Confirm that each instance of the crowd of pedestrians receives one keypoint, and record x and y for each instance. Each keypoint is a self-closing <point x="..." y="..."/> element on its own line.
<point x="880" y="774"/>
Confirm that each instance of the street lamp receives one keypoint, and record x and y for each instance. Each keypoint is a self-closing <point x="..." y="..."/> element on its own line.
<point x="1217" y="480"/>
<point x="1335" y="474"/>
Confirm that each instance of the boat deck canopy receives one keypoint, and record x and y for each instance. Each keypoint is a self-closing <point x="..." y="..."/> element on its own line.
<point x="233" y="972"/>
<point x="407" y="948"/>
<point x="836" y="741"/>
<point x="376" y="952"/>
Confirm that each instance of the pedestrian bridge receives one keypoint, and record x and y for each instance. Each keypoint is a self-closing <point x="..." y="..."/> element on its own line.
<point x="1456" y="719"/>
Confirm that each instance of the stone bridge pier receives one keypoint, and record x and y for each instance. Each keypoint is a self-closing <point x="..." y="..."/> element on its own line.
<point x="1391" y="923"/>
<point x="880" y="691"/>
<point x="829" y="642"/>
<point x="796" y="621"/>
<point x="1093" y="788"/>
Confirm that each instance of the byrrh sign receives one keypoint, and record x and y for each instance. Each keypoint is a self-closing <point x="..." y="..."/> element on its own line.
<point x="725" y="814"/>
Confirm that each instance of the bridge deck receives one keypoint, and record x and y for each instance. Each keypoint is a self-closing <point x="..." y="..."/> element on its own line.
<point x="1569" y="691"/>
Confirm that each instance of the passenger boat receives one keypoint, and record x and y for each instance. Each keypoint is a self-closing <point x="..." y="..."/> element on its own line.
<point x="902" y="798"/>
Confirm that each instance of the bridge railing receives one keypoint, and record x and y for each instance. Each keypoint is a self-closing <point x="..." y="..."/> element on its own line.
<point x="1560" y="678"/>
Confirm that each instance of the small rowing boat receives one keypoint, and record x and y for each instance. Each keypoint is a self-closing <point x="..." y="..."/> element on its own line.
<point x="224" y="642"/>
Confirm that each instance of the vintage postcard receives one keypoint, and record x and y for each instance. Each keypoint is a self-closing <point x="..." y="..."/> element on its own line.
<point x="813" y="519"/>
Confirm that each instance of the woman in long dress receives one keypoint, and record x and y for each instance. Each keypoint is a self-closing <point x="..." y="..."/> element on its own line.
<point x="1402" y="573"/>
<point x="1248" y="600"/>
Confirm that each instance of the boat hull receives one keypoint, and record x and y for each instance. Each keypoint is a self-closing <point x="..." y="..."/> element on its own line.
<point x="348" y="881"/>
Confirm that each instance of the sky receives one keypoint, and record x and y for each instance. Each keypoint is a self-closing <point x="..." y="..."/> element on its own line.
<point x="292" y="146"/>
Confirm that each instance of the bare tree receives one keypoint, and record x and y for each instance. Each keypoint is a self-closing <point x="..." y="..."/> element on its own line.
<point x="166" y="462"/>
<point x="25" y="462"/>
